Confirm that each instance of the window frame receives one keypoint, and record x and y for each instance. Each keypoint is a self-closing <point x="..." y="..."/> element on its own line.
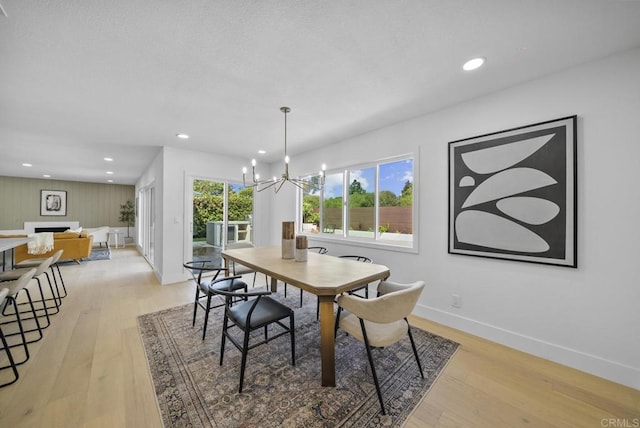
<point x="345" y="237"/>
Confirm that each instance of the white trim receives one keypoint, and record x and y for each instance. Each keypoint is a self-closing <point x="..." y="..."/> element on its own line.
<point x="601" y="367"/>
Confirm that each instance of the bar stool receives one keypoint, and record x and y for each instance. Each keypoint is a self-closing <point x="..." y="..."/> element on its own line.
<point x="5" y="346"/>
<point x="34" y="263"/>
<point x="41" y="269"/>
<point x="14" y="289"/>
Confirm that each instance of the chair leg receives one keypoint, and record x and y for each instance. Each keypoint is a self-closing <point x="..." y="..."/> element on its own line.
<point x="64" y="288"/>
<point x="245" y="350"/>
<point x="206" y="316"/>
<point x="12" y="363"/>
<point x="21" y="332"/>
<point x="301" y="297"/>
<point x="373" y="368"/>
<point x="195" y="306"/>
<point x="415" y="351"/>
<point x="56" y="305"/>
<point x="337" y="324"/>
<point x="293" y="339"/>
<point x="55" y="282"/>
<point x="20" y="326"/>
<point x="44" y="299"/>
<point x="223" y="341"/>
<point x="31" y="303"/>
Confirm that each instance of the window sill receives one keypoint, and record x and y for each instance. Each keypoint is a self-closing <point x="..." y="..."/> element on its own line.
<point x="366" y="243"/>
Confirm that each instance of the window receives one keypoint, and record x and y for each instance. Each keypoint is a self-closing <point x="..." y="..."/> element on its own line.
<point x="368" y="203"/>
<point x="362" y="203"/>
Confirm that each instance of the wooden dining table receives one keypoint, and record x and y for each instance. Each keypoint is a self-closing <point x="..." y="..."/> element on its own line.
<point x="323" y="275"/>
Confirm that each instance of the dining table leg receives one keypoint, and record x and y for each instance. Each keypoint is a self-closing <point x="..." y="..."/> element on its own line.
<point x="327" y="341"/>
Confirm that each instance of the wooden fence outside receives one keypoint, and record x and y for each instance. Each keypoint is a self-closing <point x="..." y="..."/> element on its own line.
<point x="393" y="219"/>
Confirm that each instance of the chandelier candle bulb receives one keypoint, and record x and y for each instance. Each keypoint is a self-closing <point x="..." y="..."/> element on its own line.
<point x="301" y="248"/>
<point x="288" y="240"/>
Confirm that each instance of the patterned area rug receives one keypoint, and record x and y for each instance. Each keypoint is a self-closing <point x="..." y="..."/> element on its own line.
<point x="193" y="390"/>
<point x="99" y="254"/>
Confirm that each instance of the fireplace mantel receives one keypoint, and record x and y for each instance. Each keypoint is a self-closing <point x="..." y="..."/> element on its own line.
<point x="30" y="226"/>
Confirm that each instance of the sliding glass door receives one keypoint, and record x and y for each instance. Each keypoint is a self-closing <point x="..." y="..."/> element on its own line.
<point x="222" y="214"/>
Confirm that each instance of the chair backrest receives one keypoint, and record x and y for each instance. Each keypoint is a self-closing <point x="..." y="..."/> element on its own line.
<point x="3" y="295"/>
<point x="20" y="283"/>
<point x="56" y="256"/>
<point x="230" y="295"/>
<point x="198" y="267"/>
<point x="42" y="267"/>
<point x="362" y="259"/>
<point x="319" y="250"/>
<point x="389" y="307"/>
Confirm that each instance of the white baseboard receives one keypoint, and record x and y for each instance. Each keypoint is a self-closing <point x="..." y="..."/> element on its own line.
<point x="598" y="366"/>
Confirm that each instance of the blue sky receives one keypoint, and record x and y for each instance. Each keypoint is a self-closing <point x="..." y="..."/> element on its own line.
<point x="393" y="176"/>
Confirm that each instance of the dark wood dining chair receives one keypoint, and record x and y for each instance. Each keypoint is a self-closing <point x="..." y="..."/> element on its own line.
<point x="253" y="314"/>
<point x="205" y="287"/>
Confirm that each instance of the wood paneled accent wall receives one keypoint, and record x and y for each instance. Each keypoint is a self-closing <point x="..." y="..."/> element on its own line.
<point x="92" y="204"/>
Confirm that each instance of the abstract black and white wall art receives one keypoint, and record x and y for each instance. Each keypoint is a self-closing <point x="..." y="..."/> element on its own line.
<point x="512" y="194"/>
<point x="53" y="202"/>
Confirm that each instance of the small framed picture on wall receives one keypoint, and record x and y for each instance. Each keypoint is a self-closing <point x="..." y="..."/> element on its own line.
<point x="53" y="203"/>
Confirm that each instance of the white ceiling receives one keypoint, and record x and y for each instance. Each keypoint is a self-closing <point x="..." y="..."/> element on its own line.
<point x="80" y="80"/>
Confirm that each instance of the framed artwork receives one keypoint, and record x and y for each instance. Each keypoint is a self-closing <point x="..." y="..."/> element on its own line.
<point x="513" y="194"/>
<point x="53" y="202"/>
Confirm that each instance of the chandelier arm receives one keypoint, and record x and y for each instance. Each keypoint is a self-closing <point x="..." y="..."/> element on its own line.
<point x="281" y="181"/>
<point x="304" y="184"/>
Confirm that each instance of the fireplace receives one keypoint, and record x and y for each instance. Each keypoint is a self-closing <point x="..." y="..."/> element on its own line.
<point x="49" y="226"/>
<point x="50" y="229"/>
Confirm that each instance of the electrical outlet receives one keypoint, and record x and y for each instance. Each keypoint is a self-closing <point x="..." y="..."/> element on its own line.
<point x="456" y="301"/>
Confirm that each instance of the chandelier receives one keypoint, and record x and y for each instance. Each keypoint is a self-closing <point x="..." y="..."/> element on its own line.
<point x="306" y="184"/>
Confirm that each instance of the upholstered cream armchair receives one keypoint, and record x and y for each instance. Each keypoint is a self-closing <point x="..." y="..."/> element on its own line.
<point x="100" y="235"/>
<point x="381" y="321"/>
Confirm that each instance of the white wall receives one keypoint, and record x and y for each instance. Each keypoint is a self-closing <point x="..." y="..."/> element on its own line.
<point x="153" y="177"/>
<point x="587" y="317"/>
<point x="177" y="166"/>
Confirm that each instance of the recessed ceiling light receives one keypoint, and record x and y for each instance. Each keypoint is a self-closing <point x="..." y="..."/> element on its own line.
<point x="26" y="164"/>
<point x="474" y="63"/>
<point x="109" y="181"/>
<point x="109" y="159"/>
<point x="46" y="175"/>
<point x="182" y="136"/>
<point x="262" y="152"/>
<point x="110" y="172"/>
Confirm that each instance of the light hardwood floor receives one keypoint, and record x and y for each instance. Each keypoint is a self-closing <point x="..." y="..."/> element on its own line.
<point x="90" y="369"/>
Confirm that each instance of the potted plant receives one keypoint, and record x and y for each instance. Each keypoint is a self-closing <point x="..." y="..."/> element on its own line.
<point x="128" y="215"/>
